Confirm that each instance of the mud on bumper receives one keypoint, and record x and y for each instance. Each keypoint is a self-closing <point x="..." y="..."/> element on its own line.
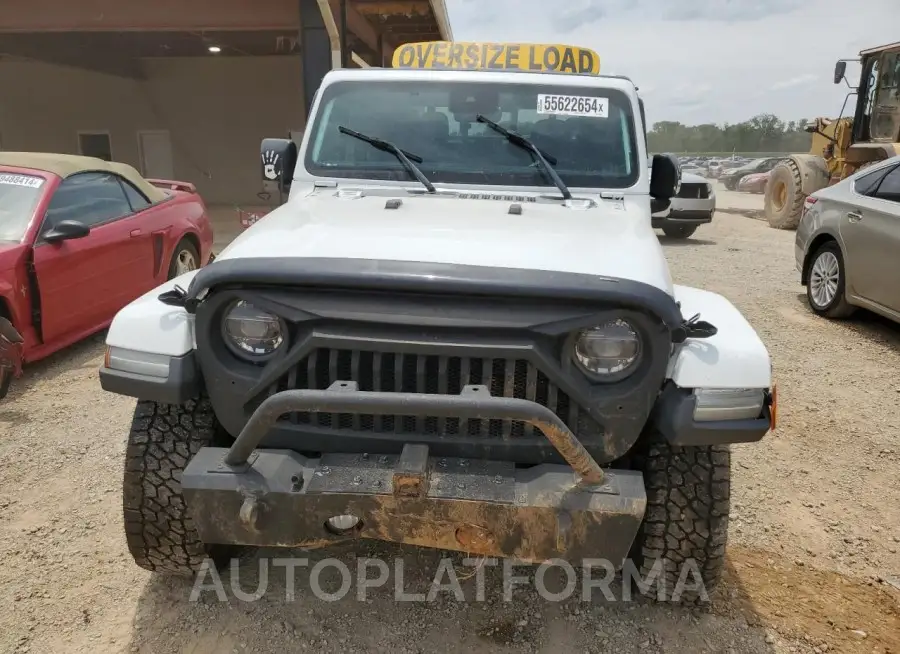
<point x="280" y="498"/>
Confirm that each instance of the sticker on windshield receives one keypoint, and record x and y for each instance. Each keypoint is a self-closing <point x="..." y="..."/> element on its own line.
<point x="22" y="180"/>
<point x="572" y="105"/>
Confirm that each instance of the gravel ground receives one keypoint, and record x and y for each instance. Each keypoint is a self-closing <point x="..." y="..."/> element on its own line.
<point x="814" y="535"/>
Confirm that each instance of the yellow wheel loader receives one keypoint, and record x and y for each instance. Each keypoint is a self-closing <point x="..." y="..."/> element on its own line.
<point x="843" y="146"/>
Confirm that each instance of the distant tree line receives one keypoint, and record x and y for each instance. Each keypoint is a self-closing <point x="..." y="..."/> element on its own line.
<point x="765" y="133"/>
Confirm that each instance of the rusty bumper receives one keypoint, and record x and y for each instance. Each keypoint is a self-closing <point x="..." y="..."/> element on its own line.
<point x="280" y="498"/>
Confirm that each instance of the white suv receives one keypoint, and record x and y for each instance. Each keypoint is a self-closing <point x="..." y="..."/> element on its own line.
<point x="464" y="339"/>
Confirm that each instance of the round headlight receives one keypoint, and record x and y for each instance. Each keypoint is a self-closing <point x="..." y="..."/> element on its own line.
<point x="251" y="332"/>
<point x="608" y="352"/>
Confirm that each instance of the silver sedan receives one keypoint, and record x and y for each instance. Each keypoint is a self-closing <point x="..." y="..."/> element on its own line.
<point x="848" y="244"/>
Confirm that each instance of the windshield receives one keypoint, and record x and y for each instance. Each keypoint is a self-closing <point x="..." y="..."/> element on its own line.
<point x="588" y="132"/>
<point x="19" y="194"/>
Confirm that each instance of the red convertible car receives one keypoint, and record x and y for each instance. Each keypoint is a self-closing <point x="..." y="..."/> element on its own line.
<point x="755" y="183"/>
<point x="79" y="239"/>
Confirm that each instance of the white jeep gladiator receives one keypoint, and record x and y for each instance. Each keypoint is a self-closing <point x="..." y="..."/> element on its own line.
<point x="458" y="331"/>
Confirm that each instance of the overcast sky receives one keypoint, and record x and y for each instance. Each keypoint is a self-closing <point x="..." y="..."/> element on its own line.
<point x="699" y="61"/>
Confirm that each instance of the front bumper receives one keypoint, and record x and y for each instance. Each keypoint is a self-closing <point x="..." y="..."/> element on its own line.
<point x="492" y="508"/>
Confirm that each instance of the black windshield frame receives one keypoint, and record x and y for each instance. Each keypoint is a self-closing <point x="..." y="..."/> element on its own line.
<point x="522" y="174"/>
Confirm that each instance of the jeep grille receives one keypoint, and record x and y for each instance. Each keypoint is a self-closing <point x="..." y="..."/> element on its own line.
<point x="416" y="373"/>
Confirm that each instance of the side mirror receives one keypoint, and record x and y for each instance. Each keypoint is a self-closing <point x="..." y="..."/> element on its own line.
<point x="279" y="158"/>
<point x="66" y="230"/>
<point x="665" y="181"/>
<point x="839" y="69"/>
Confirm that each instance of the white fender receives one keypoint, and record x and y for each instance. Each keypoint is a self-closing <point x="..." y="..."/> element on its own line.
<point x="734" y="358"/>
<point x="148" y="325"/>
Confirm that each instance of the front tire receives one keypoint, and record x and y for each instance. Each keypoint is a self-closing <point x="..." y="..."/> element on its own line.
<point x="6" y="375"/>
<point x="184" y="259"/>
<point x="679" y="231"/>
<point x="160" y="533"/>
<point x="826" y="283"/>
<point x="685" y="528"/>
<point x="784" y="198"/>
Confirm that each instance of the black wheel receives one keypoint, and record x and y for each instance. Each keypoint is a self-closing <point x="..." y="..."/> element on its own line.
<point x="184" y="259"/>
<point x="159" y="532"/>
<point x="730" y="184"/>
<point x="685" y="528"/>
<point x="679" y="231"/>
<point x="6" y="375"/>
<point x="825" y="282"/>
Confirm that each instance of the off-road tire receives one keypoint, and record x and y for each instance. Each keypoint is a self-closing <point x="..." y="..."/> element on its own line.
<point x="6" y="375"/>
<point x="838" y="307"/>
<point x="679" y="231"/>
<point x="160" y="533"/>
<point x="183" y="245"/>
<point x="788" y="215"/>
<point x="688" y="502"/>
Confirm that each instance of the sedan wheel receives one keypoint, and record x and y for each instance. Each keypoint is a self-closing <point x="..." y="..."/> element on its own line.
<point x="184" y="260"/>
<point x="826" y="283"/>
<point x="823" y="279"/>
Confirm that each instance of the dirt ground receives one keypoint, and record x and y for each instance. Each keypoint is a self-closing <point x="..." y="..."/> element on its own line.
<point x="815" y="531"/>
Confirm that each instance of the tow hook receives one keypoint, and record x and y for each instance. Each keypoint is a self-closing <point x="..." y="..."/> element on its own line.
<point x="249" y="512"/>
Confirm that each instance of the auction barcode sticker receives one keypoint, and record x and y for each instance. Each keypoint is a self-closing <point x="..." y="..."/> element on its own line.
<point x="572" y="105"/>
<point x="22" y="180"/>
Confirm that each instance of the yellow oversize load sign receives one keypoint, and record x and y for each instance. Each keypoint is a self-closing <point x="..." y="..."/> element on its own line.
<point x="539" y="58"/>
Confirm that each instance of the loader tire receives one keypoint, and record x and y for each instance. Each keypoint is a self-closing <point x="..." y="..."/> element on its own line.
<point x="159" y="532"/>
<point x="784" y="196"/>
<point x="685" y="527"/>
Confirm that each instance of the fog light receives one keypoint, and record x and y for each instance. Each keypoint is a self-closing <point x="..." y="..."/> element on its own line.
<point x="341" y="524"/>
<point x="728" y="404"/>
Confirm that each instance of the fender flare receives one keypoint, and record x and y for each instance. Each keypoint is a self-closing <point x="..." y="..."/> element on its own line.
<point x="735" y="357"/>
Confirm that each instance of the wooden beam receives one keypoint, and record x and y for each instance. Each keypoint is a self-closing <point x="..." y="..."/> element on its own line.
<point x="395" y="8"/>
<point x="356" y="23"/>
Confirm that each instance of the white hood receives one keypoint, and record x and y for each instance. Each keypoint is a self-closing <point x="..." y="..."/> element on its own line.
<point x="613" y="239"/>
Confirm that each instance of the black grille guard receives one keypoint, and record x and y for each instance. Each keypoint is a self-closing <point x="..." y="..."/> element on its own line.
<point x="475" y="402"/>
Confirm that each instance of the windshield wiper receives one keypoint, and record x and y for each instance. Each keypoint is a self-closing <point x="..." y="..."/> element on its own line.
<point x="545" y="160"/>
<point x="406" y="158"/>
